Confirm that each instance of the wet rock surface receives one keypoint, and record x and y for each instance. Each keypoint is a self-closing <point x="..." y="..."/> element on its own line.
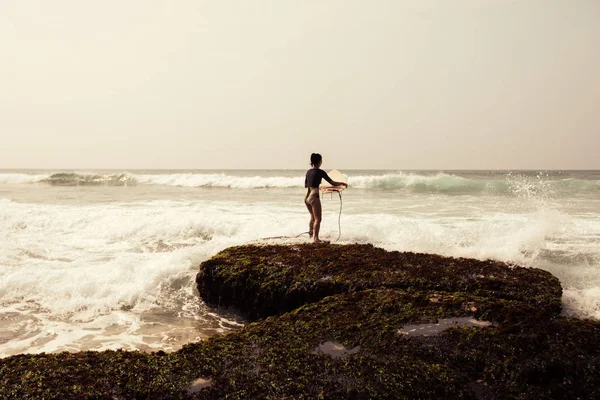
<point x="337" y="330"/>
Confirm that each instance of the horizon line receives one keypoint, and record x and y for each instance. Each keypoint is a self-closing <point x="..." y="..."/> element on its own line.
<point x="299" y="169"/>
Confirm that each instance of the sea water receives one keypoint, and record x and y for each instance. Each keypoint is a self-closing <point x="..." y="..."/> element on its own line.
<point x="107" y="259"/>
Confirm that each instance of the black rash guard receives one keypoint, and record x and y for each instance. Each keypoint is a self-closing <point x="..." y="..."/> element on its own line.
<point x="314" y="177"/>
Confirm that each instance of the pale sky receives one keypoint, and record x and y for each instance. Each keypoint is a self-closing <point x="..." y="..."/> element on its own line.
<point x="393" y="84"/>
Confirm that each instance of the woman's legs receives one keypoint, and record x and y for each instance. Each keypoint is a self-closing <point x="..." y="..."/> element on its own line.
<point x="315" y="202"/>
<point x="312" y="217"/>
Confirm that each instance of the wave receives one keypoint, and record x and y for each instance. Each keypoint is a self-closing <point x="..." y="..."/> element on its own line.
<point x="69" y="179"/>
<point x="205" y="180"/>
<point x="70" y="272"/>
<point x="520" y="185"/>
<point x="215" y="180"/>
<point x="18" y="178"/>
<point x="510" y="184"/>
<point x="439" y="183"/>
<point x="74" y="179"/>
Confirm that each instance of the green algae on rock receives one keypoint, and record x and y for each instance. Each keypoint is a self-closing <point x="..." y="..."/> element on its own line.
<point x="279" y="358"/>
<point x="273" y="279"/>
<point x="380" y="362"/>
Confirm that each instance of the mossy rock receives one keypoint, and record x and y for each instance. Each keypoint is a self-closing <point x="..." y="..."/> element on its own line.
<point x="554" y="359"/>
<point x="85" y="375"/>
<point x="284" y="357"/>
<point x="378" y="361"/>
<point x="273" y="279"/>
<point x="368" y="357"/>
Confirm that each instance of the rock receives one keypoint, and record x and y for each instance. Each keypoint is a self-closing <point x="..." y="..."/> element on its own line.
<point x="270" y="280"/>
<point x="507" y="360"/>
<point x="337" y="326"/>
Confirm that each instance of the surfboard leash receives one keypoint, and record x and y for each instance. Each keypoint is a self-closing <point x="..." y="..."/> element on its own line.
<point x="340" y="216"/>
<point x="307" y="233"/>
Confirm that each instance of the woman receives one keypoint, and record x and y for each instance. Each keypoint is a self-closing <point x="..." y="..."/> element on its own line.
<point x="312" y="200"/>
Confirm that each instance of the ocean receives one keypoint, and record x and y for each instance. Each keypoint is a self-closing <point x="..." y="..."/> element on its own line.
<point x="95" y="260"/>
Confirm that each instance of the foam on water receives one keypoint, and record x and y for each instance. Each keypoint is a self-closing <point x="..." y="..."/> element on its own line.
<point x="74" y="266"/>
<point x="222" y="181"/>
<point x="13" y="178"/>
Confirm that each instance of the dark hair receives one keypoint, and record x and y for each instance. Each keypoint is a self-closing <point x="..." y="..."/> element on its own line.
<point x="315" y="158"/>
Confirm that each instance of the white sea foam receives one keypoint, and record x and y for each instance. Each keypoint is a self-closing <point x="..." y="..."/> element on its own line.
<point x="12" y="178"/>
<point x="222" y="181"/>
<point x="76" y="265"/>
<point x="517" y="238"/>
<point x="88" y="260"/>
<point x="583" y="302"/>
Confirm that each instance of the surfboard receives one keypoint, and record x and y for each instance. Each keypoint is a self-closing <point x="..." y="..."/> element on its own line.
<point x="336" y="176"/>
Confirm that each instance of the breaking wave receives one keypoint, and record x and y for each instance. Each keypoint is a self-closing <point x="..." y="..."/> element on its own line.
<point x="18" y="178"/>
<point x="74" y="179"/>
<point x="216" y="180"/>
<point x="69" y="179"/>
<point x="522" y="185"/>
<point x="508" y="184"/>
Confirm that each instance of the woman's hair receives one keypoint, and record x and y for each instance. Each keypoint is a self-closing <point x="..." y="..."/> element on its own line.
<point x="315" y="158"/>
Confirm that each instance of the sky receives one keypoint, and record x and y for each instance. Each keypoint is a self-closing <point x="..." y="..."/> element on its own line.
<point x="382" y="84"/>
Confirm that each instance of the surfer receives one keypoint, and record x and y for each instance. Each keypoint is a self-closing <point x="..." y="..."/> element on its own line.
<point x="312" y="200"/>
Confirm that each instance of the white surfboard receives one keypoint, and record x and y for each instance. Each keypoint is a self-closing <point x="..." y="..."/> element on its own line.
<point x="336" y="176"/>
